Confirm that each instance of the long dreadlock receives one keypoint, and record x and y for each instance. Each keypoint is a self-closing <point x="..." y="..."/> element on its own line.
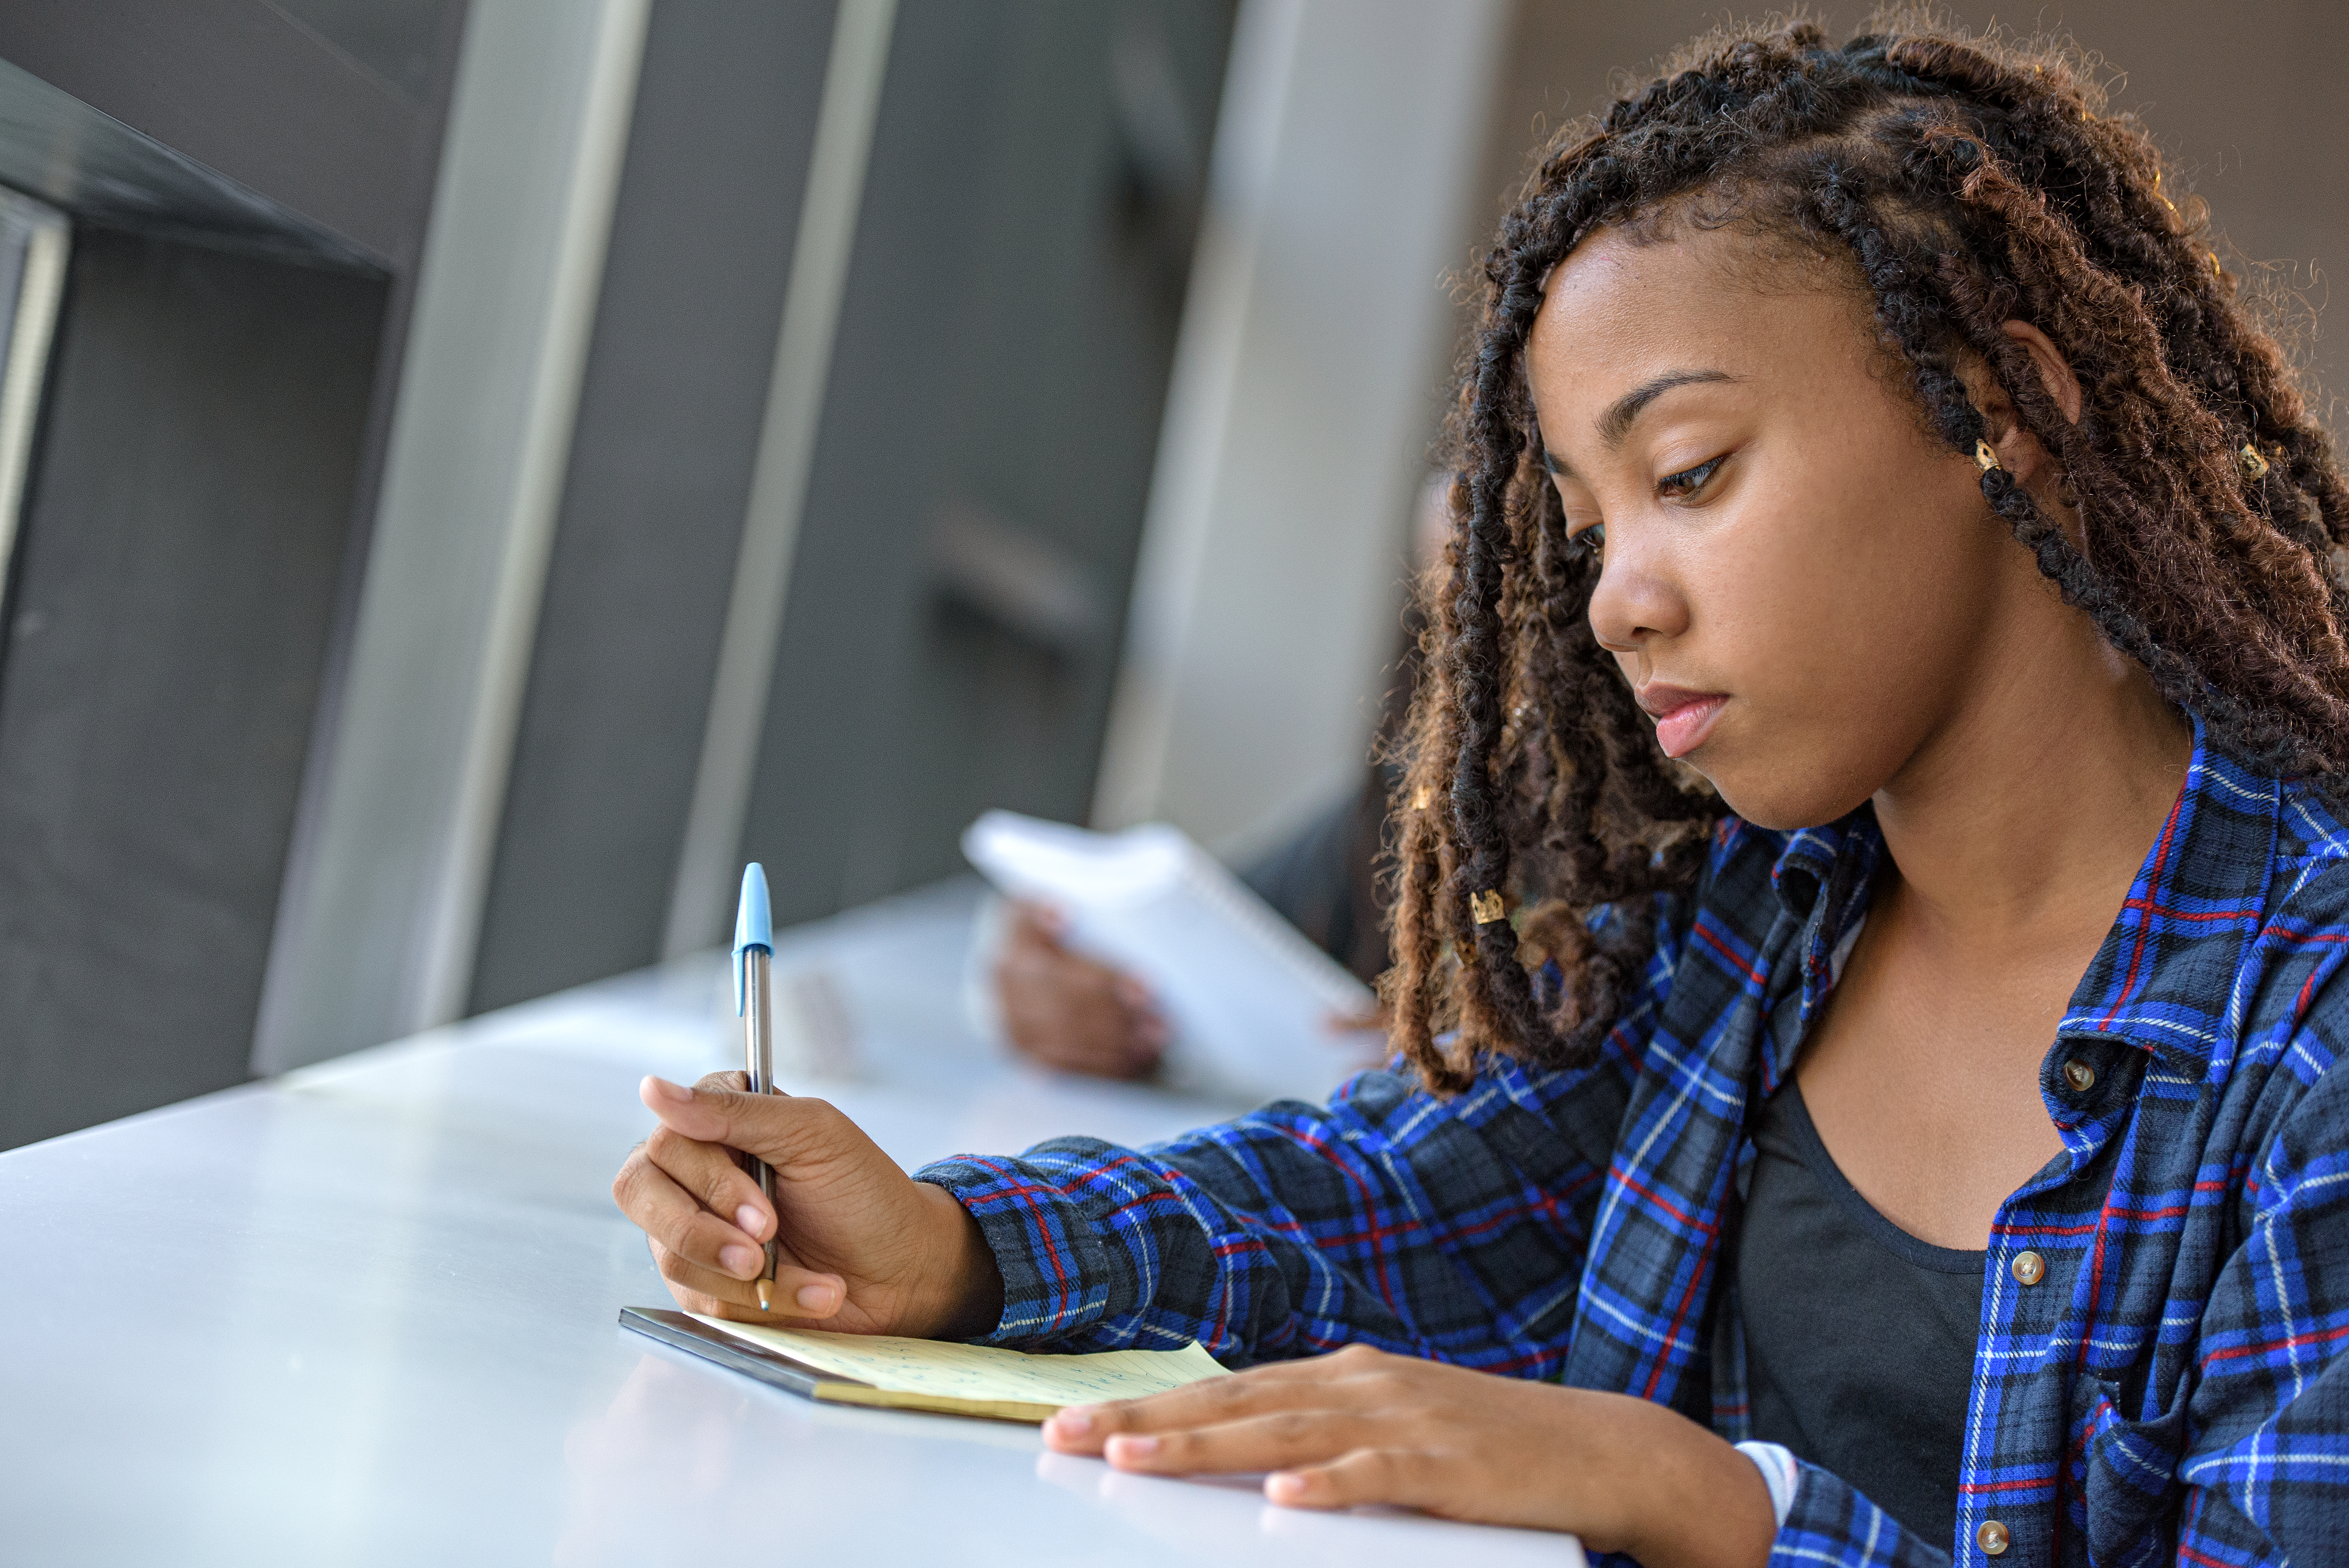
<point x="1971" y="183"/>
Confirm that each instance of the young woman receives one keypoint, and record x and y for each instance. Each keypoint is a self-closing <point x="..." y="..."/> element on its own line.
<point x="1871" y="889"/>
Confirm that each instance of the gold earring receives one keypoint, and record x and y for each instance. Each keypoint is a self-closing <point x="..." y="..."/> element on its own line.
<point x="1984" y="458"/>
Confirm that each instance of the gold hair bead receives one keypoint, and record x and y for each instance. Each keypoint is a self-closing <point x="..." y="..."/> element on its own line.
<point x="1421" y="798"/>
<point x="1984" y="458"/>
<point x="1486" y="907"/>
<point x="2254" y="466"/>
<point x="2216" y="270"/>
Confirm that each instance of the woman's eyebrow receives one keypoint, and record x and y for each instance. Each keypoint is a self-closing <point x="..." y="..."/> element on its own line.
<point x="1616" y="422"/>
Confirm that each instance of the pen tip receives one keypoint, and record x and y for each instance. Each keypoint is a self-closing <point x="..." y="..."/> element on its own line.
<point x="766" y="1295"/>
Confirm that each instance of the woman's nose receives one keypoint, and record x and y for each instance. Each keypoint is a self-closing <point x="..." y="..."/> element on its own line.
<point x="1636" y="599"/>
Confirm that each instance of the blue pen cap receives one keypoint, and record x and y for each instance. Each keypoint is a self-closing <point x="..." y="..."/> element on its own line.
<point x="754" y="925"/>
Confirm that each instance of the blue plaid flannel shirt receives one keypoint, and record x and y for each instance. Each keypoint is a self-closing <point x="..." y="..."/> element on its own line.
<point x="2168" y="1388"/>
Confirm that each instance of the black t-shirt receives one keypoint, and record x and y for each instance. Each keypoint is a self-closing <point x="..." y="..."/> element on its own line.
<point x="1860" y="1338"/>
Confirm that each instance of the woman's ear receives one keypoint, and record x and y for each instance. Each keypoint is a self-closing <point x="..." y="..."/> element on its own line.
<point x="2018" y="451"/>
<point x="2054" y="370"/>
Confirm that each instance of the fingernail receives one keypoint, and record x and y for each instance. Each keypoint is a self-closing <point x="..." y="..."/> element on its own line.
<point x="815" y="1298"/>
<point x="1282" y="1487"/>
<point x="752" y="1220"/>
<point x="1131" y="1447"/>
<point x="1076" y="1420"/>
<point x="669" y="1091"/>
<point x="742" y="1262"/>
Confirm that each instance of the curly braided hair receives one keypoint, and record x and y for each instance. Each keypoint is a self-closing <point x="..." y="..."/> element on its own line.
<point x="1969" y="182"/>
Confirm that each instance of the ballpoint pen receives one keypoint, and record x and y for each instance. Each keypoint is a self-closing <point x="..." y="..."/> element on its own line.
<point x="754" y="946"/>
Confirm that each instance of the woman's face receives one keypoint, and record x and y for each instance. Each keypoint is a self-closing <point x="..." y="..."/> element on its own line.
<point x="1799" y="583"/>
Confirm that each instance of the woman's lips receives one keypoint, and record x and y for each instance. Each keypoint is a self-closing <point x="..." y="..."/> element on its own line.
<point x="1683" y="718"/>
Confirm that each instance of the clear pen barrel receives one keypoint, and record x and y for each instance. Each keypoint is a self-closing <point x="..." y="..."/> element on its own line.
<point x="758" y="1022"/>
<point x="758" y="1058"/>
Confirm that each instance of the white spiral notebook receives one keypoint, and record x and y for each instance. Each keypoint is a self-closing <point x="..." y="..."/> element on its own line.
<point x="1252" y="1004"/>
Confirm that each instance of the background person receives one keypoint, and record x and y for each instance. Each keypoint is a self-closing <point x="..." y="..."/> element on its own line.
<point x="1058" y="1008"/>
<point x="1330" y="879"/>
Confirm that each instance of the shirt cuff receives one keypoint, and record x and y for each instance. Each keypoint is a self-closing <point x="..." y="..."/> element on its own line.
<point x="1043" y="1218"/>
<point x="1780" y="1472"/>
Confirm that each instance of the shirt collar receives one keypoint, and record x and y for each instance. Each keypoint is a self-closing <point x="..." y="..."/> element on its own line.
<point x="1821" y="877"/>
<point x="2165" y="974"/>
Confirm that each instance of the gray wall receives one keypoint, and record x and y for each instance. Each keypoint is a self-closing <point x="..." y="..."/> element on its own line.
<point x="277" y="99"/>
<point x="175" y="586"/>
<point x="1018" y="261"/>
<point x="995" y="401"/>
<point x="382" y="904"/>
<point x="659" y="475"/>
<point x="1267" y="608"/>
<point x="249" y="190"/>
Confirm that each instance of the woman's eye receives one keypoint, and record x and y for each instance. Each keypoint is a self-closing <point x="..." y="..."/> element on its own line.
<point x="1689" y="481"/>
<point x="1590" y="541"/>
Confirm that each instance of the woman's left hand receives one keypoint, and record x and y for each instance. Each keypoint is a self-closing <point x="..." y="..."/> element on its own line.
<point x="1363" y="1427"/>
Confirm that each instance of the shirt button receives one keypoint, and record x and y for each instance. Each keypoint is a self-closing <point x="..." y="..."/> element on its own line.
<point x="1993" y="1538"/>
<point x="2080" y="1076"/>
<point x="2029" y="1269"/>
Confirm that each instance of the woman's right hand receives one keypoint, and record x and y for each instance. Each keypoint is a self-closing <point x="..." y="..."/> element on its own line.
<point x="862" y="1247"/>
<point x="1064" y="1010"/>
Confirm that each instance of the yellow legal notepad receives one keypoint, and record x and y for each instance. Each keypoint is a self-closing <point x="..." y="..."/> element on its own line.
<point x="924" y="1374"/>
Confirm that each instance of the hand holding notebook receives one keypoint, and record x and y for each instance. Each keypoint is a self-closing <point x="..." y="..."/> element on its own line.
<point x="1256" y="1008"/>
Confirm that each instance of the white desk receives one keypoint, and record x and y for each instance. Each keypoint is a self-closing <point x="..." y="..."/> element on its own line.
<point x="352" y="1316"/>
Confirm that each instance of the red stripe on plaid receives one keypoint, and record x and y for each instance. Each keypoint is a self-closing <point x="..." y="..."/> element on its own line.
<point x="2021" y="1483"/>
<point x="2290" y="1342"/>
<point x="2151" y="878"/>
<point x="1705" y="935"/>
